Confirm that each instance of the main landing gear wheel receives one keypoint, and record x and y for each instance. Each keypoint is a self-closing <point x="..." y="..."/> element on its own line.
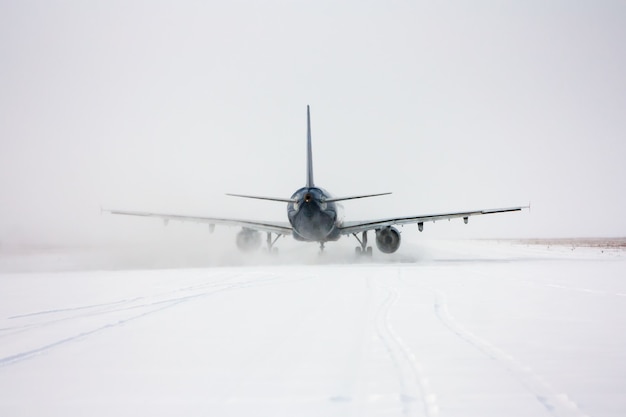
<point x="270" y="243"/>
<point x="362" y="250"/>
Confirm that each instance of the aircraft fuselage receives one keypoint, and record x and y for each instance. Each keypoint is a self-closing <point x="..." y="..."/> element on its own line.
<point x="312" y="218"/>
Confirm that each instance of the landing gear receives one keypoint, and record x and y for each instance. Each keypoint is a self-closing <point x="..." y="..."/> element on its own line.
<point x="363" y="249"/>
<point x="360" y="252"/>
<point x="271" y="242"/>
<point x="321" y="248"/>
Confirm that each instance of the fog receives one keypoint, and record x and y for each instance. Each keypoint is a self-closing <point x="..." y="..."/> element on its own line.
<point x="165" y="107"/>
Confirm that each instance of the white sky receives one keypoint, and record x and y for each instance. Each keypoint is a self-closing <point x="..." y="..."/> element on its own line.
<point x="160" y="105"/>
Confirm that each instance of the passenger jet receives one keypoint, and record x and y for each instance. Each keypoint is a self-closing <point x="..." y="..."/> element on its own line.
<point x="314" y="215"/>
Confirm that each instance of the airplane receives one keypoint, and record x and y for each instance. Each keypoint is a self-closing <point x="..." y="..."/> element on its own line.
<point x="314" y="215"/>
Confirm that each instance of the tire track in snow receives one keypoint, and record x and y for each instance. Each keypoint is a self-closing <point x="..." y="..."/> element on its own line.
<point x="93" y="310"/>
<point x="151" y="307"/>
<point x="69" y="309"/>
<point x="558" y="404"/>
<point x="412" y="379"/>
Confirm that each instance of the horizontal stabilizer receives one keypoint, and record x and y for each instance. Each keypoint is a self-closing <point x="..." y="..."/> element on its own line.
<point x="282" y="200"/>
<point x="335" y="199"/>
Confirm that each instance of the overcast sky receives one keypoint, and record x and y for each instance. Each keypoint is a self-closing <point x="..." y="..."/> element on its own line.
<point x="165" y="106"/>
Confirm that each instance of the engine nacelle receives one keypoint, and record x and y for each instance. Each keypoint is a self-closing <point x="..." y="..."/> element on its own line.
<point x="388" y="239"/>
<point x="248" y="240"/>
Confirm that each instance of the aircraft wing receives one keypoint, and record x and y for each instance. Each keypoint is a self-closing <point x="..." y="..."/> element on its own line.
<point x="361" y="226"/>
<point x="281" y="228"/>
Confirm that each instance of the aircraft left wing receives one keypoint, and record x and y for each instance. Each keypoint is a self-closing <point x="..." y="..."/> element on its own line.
<point x="351" y="227"/>
<point x="281" y="228"/>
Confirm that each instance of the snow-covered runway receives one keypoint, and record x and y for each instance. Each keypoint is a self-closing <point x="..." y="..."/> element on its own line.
<point x="476" y="329"/>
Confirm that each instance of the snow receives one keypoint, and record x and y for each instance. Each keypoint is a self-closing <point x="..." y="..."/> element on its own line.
<point x="465" y="328"/>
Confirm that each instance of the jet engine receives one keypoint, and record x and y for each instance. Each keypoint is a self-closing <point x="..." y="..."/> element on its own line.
<point x="248" y="240"/>
<point x="388" y="239"/>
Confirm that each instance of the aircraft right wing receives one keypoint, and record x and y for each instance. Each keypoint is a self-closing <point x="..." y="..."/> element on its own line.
<point x="280" y="228"/>
<point x="362" y="226"/>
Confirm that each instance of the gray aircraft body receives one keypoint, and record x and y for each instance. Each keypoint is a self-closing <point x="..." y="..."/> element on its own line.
<point x="314" y="215"/>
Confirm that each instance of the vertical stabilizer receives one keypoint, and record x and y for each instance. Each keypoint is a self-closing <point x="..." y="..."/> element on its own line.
<point x="309" y="153"/>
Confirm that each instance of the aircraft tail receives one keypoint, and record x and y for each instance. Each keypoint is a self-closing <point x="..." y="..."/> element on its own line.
<point x="309" y="174"/>
<point x="309" y="153"/>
